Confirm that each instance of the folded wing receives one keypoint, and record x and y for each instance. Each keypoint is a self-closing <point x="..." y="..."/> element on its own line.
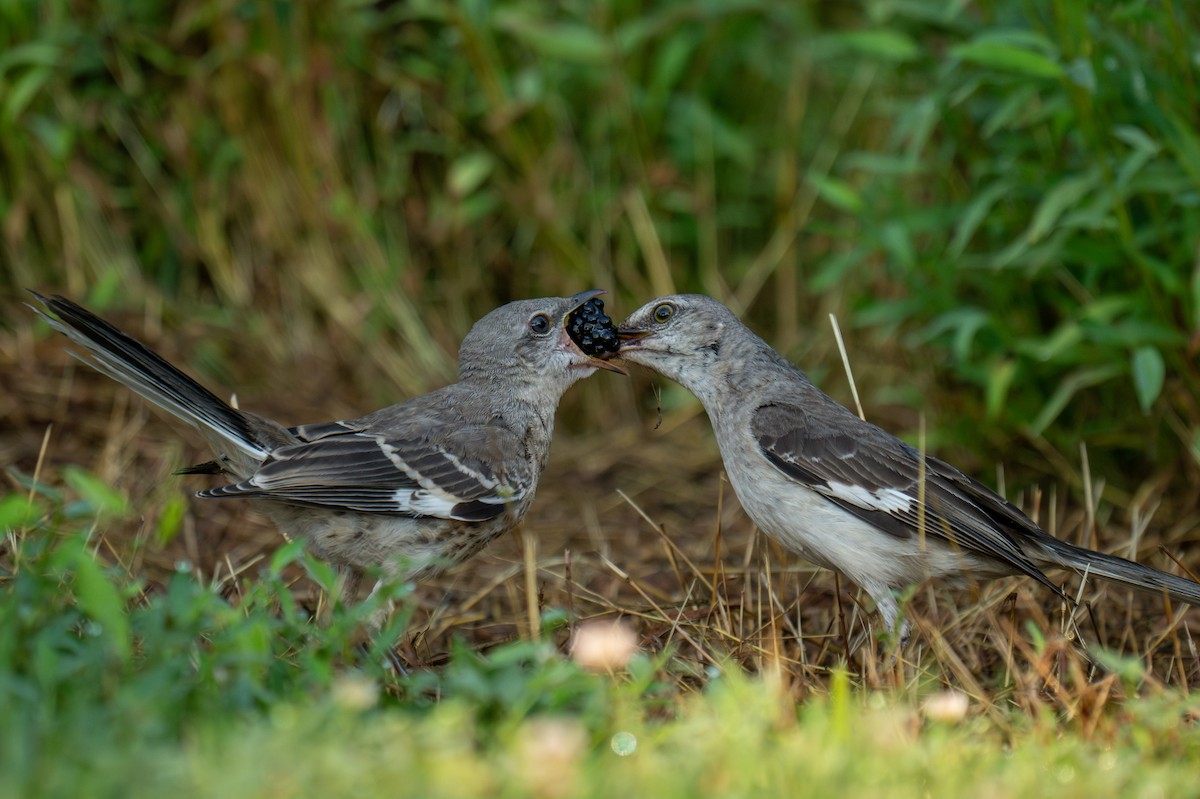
<point x="468" y="473"/>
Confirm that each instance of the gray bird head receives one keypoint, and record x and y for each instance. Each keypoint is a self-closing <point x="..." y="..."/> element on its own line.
<point x="526" y="342"/>
<point x="683" y="336"/>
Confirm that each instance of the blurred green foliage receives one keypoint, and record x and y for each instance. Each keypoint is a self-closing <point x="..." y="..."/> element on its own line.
<point x="201" y="690"/>
<point x="1009" y="190"/>
<point x="94" y="667"/>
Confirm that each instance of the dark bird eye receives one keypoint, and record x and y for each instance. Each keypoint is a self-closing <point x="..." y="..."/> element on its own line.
<point x="664" y="312"/>
<point x="540" y="324"/>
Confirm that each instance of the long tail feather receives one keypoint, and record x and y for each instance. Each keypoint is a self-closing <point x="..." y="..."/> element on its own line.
<point x="1119" y="570"/>
<point x="128" y="361"/>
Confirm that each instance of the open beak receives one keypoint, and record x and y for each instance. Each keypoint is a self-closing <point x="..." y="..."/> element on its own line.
<point x="580" y="298"/>
<point x="629" y="337"/>
<point x="600" y="363"/>
<point x="578" y="301"/>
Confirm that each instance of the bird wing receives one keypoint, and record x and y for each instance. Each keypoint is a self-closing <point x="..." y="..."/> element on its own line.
<point x="877" y="477"/>
<point x="464" y="472"/>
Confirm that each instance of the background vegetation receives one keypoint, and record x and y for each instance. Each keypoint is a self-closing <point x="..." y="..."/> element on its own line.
<point x="312" y="201"/>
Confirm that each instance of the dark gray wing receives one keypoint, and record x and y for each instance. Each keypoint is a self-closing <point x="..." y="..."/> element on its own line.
<point x="469" y="473"/>
<point x="319" y="430"/>
<point x="870" y="473"/>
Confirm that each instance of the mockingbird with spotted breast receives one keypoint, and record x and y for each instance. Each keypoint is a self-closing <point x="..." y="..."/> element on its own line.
<point x="839" y="491"/>
<point x="409" y="489"/>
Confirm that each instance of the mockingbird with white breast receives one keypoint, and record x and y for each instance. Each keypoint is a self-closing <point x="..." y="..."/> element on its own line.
<point x="409" y="489"/>
<point x="840" y="491"/>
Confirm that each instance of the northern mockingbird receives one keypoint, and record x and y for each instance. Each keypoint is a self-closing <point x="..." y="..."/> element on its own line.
<point x="840" y="491"/>
<point x="409" y="489"/>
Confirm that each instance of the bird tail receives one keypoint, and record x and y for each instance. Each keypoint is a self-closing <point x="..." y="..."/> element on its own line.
<point x="1119" y="570"/>
<point x="128" y="361"/>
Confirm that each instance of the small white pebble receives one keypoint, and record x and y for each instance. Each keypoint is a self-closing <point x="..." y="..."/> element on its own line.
<point x="949" y="707"/>
<point x="604" y="645"/>
<point x="355" y="692"/>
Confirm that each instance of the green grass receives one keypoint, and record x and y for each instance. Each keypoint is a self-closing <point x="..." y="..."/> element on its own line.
<point x="112" y="691"/>
<point x="1000" y="201"/>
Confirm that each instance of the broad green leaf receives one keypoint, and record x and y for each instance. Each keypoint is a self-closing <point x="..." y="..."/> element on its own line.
<point x="23" y="90"/>
<point x="1129" y="667"/>
<point x="1007" y="58"/>
<point x="1063" y="195"/>
<point x="17" y="510"/>
<point x="975" y="213"/>
<point x="838" y="193"/>
<point x="1137" y="139"/>
<point x="468" y="172"/>
<point x="42" y="54"/>
<point x="99" y="497"/>
<point x="1082" y="74"/>
<point x="287" y="554"/>
<point x="1068" y="388"/>
<point x="999" y="380"/>
<point x="100" y="599"/>
<point x="1148" y="374"/>
<point x="171" y="519"/>
<point x="890" y="45"/>
<point x="1064" y="337"/>
<point x="557" y="40"/>
<point x="321" y="573"/>
<point x="897" y="239"/>
<point x="1183" y="140"/>
<point x="1012" y="112"/>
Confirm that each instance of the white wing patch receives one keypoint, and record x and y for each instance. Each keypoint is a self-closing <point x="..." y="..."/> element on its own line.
<point x="889" y="500"/>
<point x="424" y="503"/>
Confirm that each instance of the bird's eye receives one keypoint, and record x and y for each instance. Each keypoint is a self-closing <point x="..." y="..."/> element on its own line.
<point x="540" y="324"/>
<point x="664" y="312"/>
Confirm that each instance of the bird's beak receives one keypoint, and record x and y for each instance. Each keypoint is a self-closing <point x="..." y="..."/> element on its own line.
<point x="577" y="301"/>
<point x="630" y="336"/>
<point x="601" y="363"/>
<point x="580" y="298"/>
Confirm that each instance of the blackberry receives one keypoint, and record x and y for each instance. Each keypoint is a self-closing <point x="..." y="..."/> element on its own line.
<point x="592" y="331"/>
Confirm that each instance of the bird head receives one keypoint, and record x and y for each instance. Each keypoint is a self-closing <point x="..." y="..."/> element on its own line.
<point x="679" y="336"/>
<point x="532" y="340"/>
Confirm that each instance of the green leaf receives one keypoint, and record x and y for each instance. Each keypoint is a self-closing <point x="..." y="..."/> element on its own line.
<point x="1148" y="374"/>
<point x="98" y="497"/>
<point x="171" y="519"/>
<point x="286" y="555"/>
<point x="100" y="599"/>
<point x="1130" y="668"/>
<point x="1183" y="141"/>
<point x="999" y="380"/>
<point x="469" y="171"/>
<point x="22" y="92"/>
<point x="1071" y="385"/>
<point x="1063" y="195"/>
<point x="559" y="40"/>
<point x="1059" y="342"/>
<point x="17" y="510"/>
<point x="44" y="54"/>
<point x="1007" y="58"/>
<point x="975" y="213"/>
<point x="1013" y="112"/>
<point x="838" y="193"/>
<point x="889" y="45"/>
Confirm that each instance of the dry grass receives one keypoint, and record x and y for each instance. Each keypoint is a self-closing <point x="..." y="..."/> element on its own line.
<point x="635" y="521"/>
